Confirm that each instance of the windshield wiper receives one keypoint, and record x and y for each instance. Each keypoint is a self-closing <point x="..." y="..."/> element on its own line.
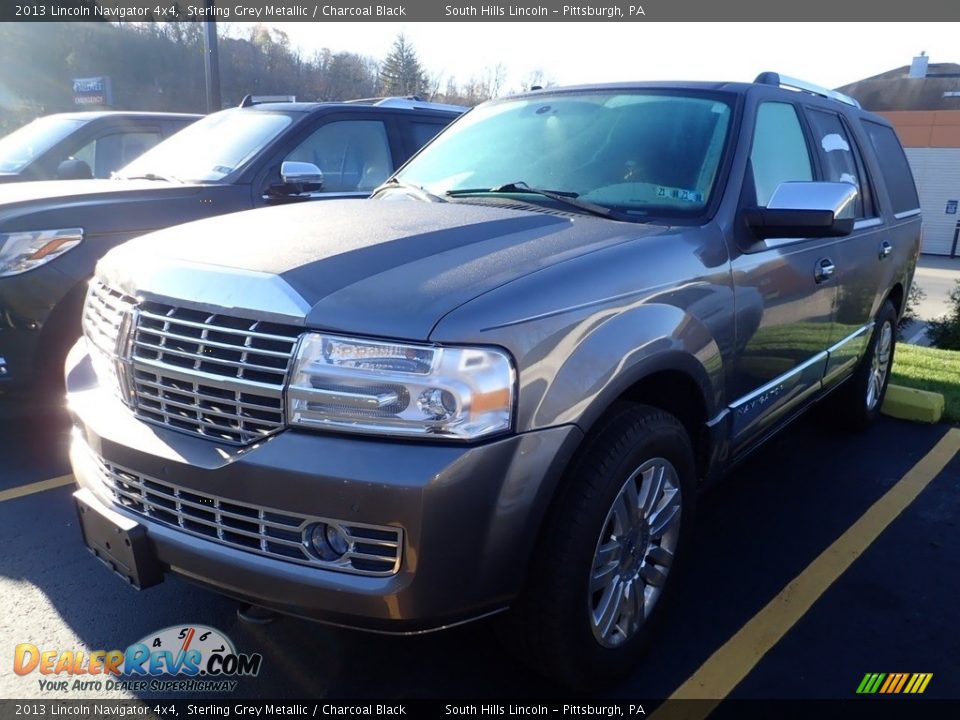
<point x="395" y="184"/>
<point x="561" y="196"/>
<point x="150" y="176"/>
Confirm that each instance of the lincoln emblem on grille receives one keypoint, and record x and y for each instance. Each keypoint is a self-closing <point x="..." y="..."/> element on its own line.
<point x="126" y="336"/>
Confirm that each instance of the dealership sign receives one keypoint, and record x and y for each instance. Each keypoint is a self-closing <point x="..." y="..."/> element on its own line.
<point x="92" y="91"/>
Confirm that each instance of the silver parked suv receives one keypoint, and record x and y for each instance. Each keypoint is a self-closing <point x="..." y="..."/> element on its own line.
<point x="498" y="384"/>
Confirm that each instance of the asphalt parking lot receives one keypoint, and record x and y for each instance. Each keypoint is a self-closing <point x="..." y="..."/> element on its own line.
<point x="740" y="628"/>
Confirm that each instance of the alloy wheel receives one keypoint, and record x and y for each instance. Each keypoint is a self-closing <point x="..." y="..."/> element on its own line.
<point x="634" y="552"/>
<point x="879" y="365"/>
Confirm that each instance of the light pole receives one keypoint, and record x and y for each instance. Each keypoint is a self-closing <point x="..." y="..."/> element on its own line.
<point x="211" y="59"/>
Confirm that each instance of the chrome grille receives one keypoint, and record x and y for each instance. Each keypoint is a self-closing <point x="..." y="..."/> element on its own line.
<point x="102" y="315"/>
<point x="373" y="549"/>
<point x="207" y="374"/>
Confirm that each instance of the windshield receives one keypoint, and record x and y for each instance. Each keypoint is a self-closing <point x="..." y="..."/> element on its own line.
<point x="642" y="153"/>
<point x="21" y="147"/>
<point x="211" y="148"/>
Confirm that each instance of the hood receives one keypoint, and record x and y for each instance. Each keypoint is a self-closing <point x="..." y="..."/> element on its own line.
<point x="67" y="190"/>
<point x="374" y="267"/>
<point x="100" y="206"/>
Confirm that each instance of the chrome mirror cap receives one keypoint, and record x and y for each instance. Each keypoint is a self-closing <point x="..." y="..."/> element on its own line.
<point x="293" y="172"/>
<point x="836" y="197"/>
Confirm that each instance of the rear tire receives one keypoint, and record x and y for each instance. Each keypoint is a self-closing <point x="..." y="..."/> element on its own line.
<point x="859" y="400"/>
<point x="607" y="559"/>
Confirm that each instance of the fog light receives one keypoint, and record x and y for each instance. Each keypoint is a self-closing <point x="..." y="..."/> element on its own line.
<point x="3" y="366"/>
<point x="327" y="541"/>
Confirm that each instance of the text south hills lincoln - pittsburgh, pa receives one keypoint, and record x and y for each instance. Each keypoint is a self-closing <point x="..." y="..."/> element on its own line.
<point x="597" y="11"/>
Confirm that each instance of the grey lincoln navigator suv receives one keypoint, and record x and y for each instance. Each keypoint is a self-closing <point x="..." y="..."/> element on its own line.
<point x="498" y="384"/>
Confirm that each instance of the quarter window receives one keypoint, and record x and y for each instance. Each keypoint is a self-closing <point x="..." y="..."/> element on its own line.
<point x="779" y="153"/>
<point x="894" y="167"/>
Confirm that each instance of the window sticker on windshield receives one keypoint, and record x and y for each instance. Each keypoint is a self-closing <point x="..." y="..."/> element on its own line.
<point x="692" y="196"/>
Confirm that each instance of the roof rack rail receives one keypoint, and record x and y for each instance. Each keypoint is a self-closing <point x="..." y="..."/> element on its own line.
<point x="410" y="102"/>
<point x="772" y="78"/>
<point x="249" y="100"/>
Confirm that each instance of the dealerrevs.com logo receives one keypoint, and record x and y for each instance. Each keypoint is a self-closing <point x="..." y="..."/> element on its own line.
<point x="191" y="658"/>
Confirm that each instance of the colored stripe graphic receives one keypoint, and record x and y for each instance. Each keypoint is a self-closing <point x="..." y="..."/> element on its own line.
<point x="903" y="680"/>
<point x="894" y="683"/>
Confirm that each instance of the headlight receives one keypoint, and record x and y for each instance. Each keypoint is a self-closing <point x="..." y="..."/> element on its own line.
<point x="387" y="388"/>
<point x="22" y="251"/>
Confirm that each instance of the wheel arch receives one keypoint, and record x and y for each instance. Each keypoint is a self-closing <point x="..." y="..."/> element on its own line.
<point x="672" y="381"/>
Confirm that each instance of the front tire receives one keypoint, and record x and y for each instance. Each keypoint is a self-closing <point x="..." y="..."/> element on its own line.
<point x="607" y="558"/>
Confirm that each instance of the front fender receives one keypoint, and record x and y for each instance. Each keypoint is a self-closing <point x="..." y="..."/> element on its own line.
<point x="616" y="353"/>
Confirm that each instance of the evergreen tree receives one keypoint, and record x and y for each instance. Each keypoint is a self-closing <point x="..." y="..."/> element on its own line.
<point x="401" y="72"/>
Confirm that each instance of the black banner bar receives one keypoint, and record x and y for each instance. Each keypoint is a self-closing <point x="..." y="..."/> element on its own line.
<point x="479" y="11"/>
<point x="872" y="708"/>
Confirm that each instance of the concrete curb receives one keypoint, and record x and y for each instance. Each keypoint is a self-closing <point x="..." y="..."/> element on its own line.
<point x="911" y="404"/>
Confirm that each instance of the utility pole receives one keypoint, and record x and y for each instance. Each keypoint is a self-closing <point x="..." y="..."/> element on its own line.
<point x="211" y="59"/>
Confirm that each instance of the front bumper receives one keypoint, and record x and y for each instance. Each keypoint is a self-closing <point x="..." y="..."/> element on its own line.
<point x="469" y="514"/>
<point x="26" y="304"/>
<point x="19" y="355"/>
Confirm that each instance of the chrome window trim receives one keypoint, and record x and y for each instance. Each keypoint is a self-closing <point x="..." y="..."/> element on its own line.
<point x="867" y="223"/>
<point x="906" y="214"/>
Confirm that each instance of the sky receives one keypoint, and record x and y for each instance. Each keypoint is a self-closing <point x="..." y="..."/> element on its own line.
<point x="828" y="54"/>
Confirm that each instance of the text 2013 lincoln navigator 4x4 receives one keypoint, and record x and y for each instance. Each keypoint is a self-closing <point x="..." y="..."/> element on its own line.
<point x="498" y="384"/>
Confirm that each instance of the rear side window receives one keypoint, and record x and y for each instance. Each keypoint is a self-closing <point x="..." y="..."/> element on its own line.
<point x="779" y="152"/>
<point x="894" y="167"/>
<point x="424" y="132"/>
<point x="837" y="154"/>
<point x="111" y="152"/>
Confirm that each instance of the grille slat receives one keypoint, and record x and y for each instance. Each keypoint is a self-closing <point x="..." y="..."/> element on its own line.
<point x="215" y="376"/>
<point x="212" y="411"/>
<point x="147" y="315"/>
<point x="211" y="343"/>
<point x="199" y="359"/>
<point x="374" y="549"/>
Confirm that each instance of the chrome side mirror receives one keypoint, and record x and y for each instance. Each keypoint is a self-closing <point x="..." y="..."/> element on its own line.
<point x="805" y="209"/>
<point x="301" y="173"/>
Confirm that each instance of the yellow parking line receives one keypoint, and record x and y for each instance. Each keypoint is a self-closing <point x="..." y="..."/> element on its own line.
<point x="730" y="664"/>
<point x="22" y="490"/>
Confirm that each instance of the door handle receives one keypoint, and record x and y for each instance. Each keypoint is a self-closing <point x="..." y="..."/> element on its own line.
<point x="824" y="271"/>
<point x="885" y="250"/>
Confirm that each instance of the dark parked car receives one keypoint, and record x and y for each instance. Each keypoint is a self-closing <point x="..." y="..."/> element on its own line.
<point x="71" y="146"/>
<point x="499" y="384"/>
<point x="53" y="233"/>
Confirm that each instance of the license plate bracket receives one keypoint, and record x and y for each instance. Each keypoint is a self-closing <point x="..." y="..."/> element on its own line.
<point x="118" y="542"/>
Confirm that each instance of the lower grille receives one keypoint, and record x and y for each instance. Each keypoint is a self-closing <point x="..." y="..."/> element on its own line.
<point x="373" y="549"/>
